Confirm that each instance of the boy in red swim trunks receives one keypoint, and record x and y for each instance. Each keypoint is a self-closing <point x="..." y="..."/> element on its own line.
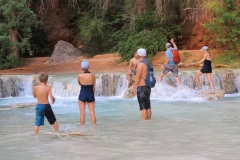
<point x="43" y="108"/>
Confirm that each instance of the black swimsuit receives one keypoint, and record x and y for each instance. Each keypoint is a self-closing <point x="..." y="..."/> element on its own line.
<point x="86" y="93"/>
<point x="207" y="67"/>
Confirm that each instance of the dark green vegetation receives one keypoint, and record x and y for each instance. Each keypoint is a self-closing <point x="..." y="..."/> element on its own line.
<point x="116" y="25"/>
<point x="225" y="27"/>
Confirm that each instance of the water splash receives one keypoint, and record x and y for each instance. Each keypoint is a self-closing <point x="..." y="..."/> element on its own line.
<point x="163" y="91"/>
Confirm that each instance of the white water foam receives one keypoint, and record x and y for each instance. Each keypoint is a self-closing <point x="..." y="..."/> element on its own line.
<point x="107" y="86"/>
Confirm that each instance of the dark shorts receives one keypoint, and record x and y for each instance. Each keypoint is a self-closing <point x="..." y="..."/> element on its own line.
<point x="173" y="69"/>
<point x="86" y="97"/>
<point x="143" y="96"/>
<point x="44" y="110"/>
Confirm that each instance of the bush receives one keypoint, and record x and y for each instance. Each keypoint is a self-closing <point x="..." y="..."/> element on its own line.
<point x="228" y="57"/>
<point x="148" y="32"/>
<point x="9" y="62"/>
<point x="152" y="41"/>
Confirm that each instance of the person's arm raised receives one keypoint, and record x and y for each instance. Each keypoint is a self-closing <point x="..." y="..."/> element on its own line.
<point x="174" y="45"/>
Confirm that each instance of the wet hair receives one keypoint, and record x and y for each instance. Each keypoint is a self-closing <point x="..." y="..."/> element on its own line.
<point x="43" y="77"/>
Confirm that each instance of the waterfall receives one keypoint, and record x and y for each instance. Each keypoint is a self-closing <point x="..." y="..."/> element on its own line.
<point x="12" y="86"/>
<point x="110" y="84"/>
<point x="62" y="85"/>
<point x="222" y="79"/>
<point x="238" y="83"/>
<point x="113" y="84"/>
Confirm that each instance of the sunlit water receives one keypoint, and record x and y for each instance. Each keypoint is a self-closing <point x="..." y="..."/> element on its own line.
<point x="179" y="130"/>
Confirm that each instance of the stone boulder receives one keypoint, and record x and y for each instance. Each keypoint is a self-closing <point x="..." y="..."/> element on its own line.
<point x="128" y="93"/>
<point x="228" y="81"/>
<point x="24" y="105"/>
<point x="63" y="52"/>
<point x="219" y="94"/>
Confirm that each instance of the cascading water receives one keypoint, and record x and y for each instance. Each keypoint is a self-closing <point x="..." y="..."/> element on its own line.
<point x="116" y="83"/>
<point x="12" y="86"/>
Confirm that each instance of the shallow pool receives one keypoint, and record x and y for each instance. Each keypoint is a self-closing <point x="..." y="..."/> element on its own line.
<point x="178" y="130"/>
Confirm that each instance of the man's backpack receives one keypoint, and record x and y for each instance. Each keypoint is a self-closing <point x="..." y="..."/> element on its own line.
<point x="150" y="80"/>
<point x="175" y="56"/>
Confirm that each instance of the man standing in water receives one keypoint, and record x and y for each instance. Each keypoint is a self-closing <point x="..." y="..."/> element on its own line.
<point x="143" y="91"/>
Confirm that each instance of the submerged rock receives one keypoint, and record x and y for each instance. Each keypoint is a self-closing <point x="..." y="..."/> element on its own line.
<point x="24" y="105"/>
<point x="219" y="94"/>
<point x="35" y="80"/>
<point x="128" y="93"/>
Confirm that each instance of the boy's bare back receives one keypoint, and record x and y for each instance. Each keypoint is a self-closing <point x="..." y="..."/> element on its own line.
<point x="41" y="92"/>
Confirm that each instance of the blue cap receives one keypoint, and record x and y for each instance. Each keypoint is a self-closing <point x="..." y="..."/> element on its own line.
<point x="84" y="64"/>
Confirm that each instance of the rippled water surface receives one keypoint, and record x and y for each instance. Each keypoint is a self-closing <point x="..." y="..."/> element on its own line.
<point x="179" y="130"/>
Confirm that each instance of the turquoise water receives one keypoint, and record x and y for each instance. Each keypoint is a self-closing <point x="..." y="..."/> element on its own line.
<point x="178" y="130"/>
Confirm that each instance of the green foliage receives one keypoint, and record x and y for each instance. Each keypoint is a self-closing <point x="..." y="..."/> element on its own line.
<point x="91" y="32"/>
<point x="225" y="25"/>
<point x="96" y="25"/>
<point x="123" y="26"/>
<point x="4" y="44"/>
<point x="229" y="58"/>
<point x="148" y="33"/>
<point x="9" y="62"/>
<point x="18" y="17"/>
<point x="91" y="28"/>
<point x="152" y="41"/>
<point x="39" y="43"/>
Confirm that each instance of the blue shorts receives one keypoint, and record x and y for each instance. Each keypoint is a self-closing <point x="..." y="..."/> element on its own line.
<point x="44" y="110"/>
